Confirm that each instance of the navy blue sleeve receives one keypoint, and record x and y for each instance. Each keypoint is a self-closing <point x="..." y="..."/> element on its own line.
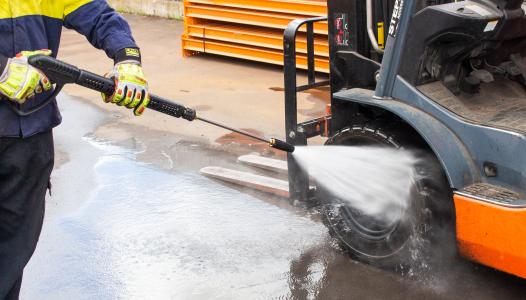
<point x="102" y="25"/>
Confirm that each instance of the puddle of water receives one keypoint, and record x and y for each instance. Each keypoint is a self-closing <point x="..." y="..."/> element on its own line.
<point x="319" y="97"/>
<point x="147" y="234"/>
<point x="119" y="228"/>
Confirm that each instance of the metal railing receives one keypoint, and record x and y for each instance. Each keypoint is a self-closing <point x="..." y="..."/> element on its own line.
<point x="296" y="135"/>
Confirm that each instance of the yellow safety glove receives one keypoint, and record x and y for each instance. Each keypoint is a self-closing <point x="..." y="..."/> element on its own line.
<point x="131" y="87"/>
<point x="21" y="81"/>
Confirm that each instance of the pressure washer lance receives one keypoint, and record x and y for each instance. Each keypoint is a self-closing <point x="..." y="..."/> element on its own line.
<point x="62" y="73"/>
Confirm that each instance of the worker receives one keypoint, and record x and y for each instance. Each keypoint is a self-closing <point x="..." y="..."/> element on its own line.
<point x="28" y="28"/>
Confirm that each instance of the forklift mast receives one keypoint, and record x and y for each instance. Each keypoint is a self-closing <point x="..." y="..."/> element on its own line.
<point x="351" y="55"/>
<point x="416" y="53"/>
<point x="454" y="74"/>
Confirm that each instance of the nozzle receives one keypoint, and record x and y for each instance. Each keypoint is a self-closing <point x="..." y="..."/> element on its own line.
<point x="281" y="145"/>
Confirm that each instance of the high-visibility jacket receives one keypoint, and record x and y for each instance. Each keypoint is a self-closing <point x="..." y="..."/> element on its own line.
<point x="37" y="24"/>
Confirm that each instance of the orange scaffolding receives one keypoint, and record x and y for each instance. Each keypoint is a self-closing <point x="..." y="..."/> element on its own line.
<point x="252" y="29"/>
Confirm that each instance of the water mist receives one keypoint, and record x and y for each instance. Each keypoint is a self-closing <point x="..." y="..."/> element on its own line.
<point x="374" y="180"/>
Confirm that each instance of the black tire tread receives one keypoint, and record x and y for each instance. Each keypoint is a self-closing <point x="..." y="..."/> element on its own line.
<point x="401" y="136"/>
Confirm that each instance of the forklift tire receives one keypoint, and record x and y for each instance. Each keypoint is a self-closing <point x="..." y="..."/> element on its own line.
<point x="406" y="244"/>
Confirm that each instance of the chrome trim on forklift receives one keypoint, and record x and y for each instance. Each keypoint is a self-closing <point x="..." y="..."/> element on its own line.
<point x="516" y="204"/>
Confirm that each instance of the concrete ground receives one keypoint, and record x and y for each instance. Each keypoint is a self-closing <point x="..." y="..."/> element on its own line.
<point x="130" y="217"/>
<point x="244" y="95"/>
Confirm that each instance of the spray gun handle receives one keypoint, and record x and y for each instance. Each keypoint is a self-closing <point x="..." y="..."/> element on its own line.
<point x="63" y="73"/>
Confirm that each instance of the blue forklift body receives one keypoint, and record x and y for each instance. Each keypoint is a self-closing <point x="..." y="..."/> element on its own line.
<point x="484" y="161"/>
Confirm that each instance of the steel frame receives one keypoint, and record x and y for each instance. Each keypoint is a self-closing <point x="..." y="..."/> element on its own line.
<point x="295" y="133"/>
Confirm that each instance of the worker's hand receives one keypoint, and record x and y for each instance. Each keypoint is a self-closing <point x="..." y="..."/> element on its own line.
<point x="21" y="81"/>
<point x="131" y="88"/>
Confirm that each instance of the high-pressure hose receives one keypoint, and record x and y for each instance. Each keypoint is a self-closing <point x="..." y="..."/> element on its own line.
<point x="273" y="142"/>
<point x="63" y="73"/>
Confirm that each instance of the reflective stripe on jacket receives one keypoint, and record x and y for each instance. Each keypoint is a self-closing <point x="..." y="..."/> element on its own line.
<point x="37" y="24"/>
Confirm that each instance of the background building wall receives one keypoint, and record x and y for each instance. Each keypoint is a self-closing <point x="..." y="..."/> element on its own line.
<point x="172" y="9"/>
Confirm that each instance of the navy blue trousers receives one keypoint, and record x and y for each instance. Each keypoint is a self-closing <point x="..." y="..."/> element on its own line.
<point x="25" y="169"/>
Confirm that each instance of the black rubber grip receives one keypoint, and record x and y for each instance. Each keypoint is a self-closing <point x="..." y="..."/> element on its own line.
<point x="62" y="73"/>
<point x="96" y="82"/>
<point x="171" y="108"/>
<point x="57" y="71"/>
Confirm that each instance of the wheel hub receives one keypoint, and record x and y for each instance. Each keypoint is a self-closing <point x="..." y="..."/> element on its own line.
<point x="370" y="227"/>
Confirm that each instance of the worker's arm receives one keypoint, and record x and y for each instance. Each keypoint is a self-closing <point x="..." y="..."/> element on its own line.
<point x="106" y="29"/>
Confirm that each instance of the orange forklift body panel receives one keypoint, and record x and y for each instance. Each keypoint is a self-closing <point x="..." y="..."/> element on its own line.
<point x="491" y="234"/>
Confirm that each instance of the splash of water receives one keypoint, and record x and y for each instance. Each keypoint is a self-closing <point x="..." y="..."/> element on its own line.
<point x="374" y="180"/>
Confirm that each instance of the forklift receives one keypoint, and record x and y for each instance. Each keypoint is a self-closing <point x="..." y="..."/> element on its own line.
<point x="447" y="79"/>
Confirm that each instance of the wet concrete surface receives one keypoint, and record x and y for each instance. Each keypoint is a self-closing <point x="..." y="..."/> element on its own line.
<point x="131" y="218"/>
